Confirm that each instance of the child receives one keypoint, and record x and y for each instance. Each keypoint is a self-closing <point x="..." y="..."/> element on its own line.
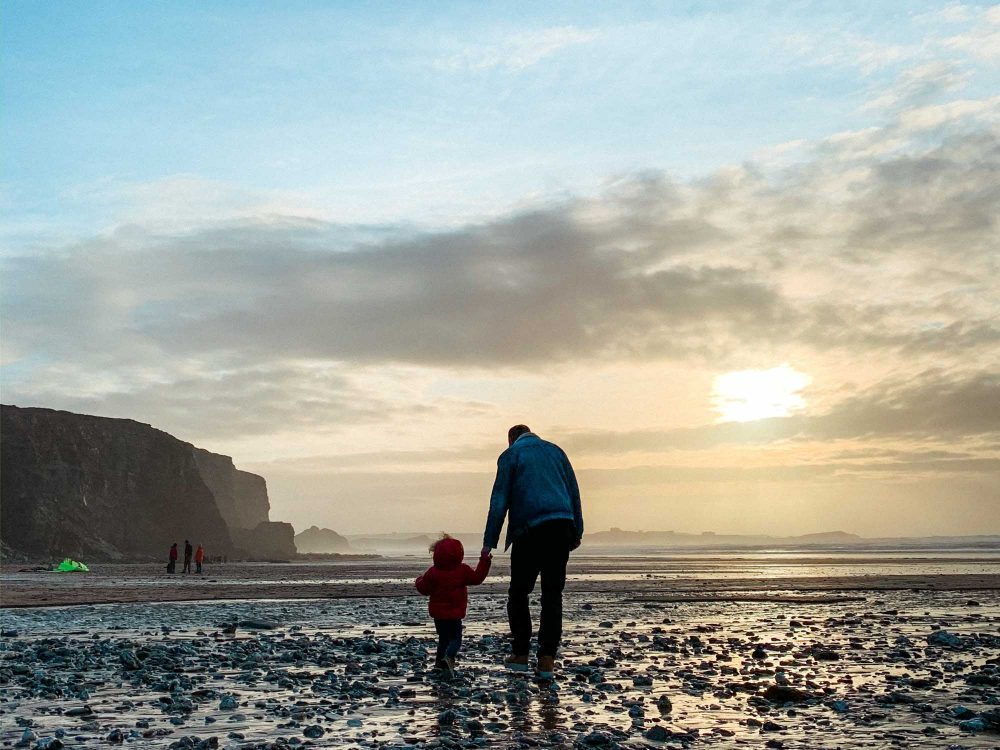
<point x="447" y="582"/>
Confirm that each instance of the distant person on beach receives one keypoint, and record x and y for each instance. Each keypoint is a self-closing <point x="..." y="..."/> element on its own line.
<point x="536" y="490"/>
<point x="199" y="558"/>
<point x="172" y="559"/>
<point x="447" y="582"/>
<point x="188" y="550"/>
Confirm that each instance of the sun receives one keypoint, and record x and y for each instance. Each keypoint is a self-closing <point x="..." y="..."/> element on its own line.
<point x="745" y="395"/>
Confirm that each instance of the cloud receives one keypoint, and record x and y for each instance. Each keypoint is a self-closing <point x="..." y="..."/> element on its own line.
<point x="650" y="269"/>
<point x="665" y="475"/>
<point x="214" y="404"/>
<point x="517" y="52"/>
<point x="876" y="244"/>
<point x="982" y="39"/>
<point x="535" y="287"/>
<point x="933" y="405"/>
<point x="922" y="85"/>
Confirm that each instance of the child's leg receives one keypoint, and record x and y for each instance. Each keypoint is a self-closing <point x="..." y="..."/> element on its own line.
<point x="454" y="638"/>
<point x="441" y="626"/>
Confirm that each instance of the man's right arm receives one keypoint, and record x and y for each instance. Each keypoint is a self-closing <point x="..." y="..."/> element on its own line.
<point x="574" y="496"/>
<point x="499" y="501"/>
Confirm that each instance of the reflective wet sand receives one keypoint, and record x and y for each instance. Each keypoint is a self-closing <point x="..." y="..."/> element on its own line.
<point x="827" y="663"/>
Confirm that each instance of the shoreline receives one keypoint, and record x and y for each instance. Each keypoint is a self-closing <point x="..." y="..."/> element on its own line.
<point x="31" y="594"/>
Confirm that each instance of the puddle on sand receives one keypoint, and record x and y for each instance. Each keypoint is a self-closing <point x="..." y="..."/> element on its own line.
<point x="357" y="671"/>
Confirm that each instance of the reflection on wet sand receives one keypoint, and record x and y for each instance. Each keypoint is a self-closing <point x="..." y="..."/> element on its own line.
<point x="805" y="667"/>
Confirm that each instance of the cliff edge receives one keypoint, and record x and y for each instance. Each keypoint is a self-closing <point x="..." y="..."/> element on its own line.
<point x="98" y="488"/>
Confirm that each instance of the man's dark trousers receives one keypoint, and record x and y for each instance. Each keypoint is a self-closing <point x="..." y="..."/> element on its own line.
<point x="541" y="550"/>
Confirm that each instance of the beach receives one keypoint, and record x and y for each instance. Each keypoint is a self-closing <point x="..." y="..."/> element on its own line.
<point x="752" y="649"/>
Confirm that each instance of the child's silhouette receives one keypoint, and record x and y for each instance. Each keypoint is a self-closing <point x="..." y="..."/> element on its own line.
<point x="447" y="582"/>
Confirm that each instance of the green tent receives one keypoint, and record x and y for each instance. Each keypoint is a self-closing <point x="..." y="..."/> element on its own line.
<point x="71" y="566"/>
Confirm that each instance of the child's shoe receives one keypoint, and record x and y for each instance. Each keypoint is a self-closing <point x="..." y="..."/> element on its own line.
<point x="449" y="666"/>
<point x="516" y="663"/>
<point x="546" y="667"/>
<point x="441" y="665"/>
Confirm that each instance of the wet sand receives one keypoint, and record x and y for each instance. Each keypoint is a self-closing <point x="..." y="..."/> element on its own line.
<point x="657" y="653"/>
<point x="393" y="577"/>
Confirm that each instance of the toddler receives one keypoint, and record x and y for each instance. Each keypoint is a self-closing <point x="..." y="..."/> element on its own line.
<point x="447" y="582"/>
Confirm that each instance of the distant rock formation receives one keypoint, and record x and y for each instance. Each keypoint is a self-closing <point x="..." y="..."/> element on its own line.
<point x="96" y="488"/>
<point x="268" y="540"/>
<point x="828" y="537"/>
<point x="315" y="539"/>
<point x="396" y="543"/>
<point x="100" y="488"/>
<point x="622" y="538"/>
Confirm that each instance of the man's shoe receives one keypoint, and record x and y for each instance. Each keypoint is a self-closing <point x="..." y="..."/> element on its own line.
<point x="516" y="663"/>
<point x="546" y="667"/>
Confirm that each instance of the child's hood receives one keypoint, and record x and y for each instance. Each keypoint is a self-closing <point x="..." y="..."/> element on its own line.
<point x="448" y="554"/>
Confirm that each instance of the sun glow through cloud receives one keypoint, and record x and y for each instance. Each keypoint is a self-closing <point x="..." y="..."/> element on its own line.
<point x="746" y="395"/>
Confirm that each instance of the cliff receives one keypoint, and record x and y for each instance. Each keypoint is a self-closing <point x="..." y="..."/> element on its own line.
<point x="253" y="507"/>
<point x="110" y="489"/>
<point x="98" y="488"/>
<point x="315" y="539"/>
<point x="240" y="496"/>
<point x="269" y="540"/>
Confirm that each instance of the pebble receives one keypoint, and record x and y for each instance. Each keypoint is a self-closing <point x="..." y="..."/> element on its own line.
<point x="657" y="734"/>
<point x="945" y="639"/>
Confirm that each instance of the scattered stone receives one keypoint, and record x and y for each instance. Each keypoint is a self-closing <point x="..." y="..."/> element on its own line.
<point x="972" y="725"/>
<point x="944" y="639"/>
<point x="785" y="694"/>
<point x="657" y="734"/>
<point x="229" y="703"/>
<point x="79" y="711"/>
<point x="129" y="660"/>
<point x="664" y="705"/>
<point x="258" y="624"/>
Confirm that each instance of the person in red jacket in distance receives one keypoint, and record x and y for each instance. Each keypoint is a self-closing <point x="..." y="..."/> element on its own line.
<point x="446" y="583"/>
<point x="172" y="558"/>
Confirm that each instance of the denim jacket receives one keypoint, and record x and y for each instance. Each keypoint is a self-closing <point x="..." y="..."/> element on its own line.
<point x="535" y="483"/>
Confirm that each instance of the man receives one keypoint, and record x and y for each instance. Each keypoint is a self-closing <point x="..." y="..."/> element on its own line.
<point x="536" y="488"/>
<point x="172" y="559"/>
<point x="188" y="551"/>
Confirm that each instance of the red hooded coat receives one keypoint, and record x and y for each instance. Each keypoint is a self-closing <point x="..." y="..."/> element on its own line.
<point x="448" y="580"/>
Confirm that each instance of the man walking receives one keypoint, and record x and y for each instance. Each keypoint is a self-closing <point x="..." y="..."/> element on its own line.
<point x="536" y="489"/>
<point x="188" y="551"/>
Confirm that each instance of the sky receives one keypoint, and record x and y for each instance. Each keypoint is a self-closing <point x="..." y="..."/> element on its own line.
<point x="740" y="260"/>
